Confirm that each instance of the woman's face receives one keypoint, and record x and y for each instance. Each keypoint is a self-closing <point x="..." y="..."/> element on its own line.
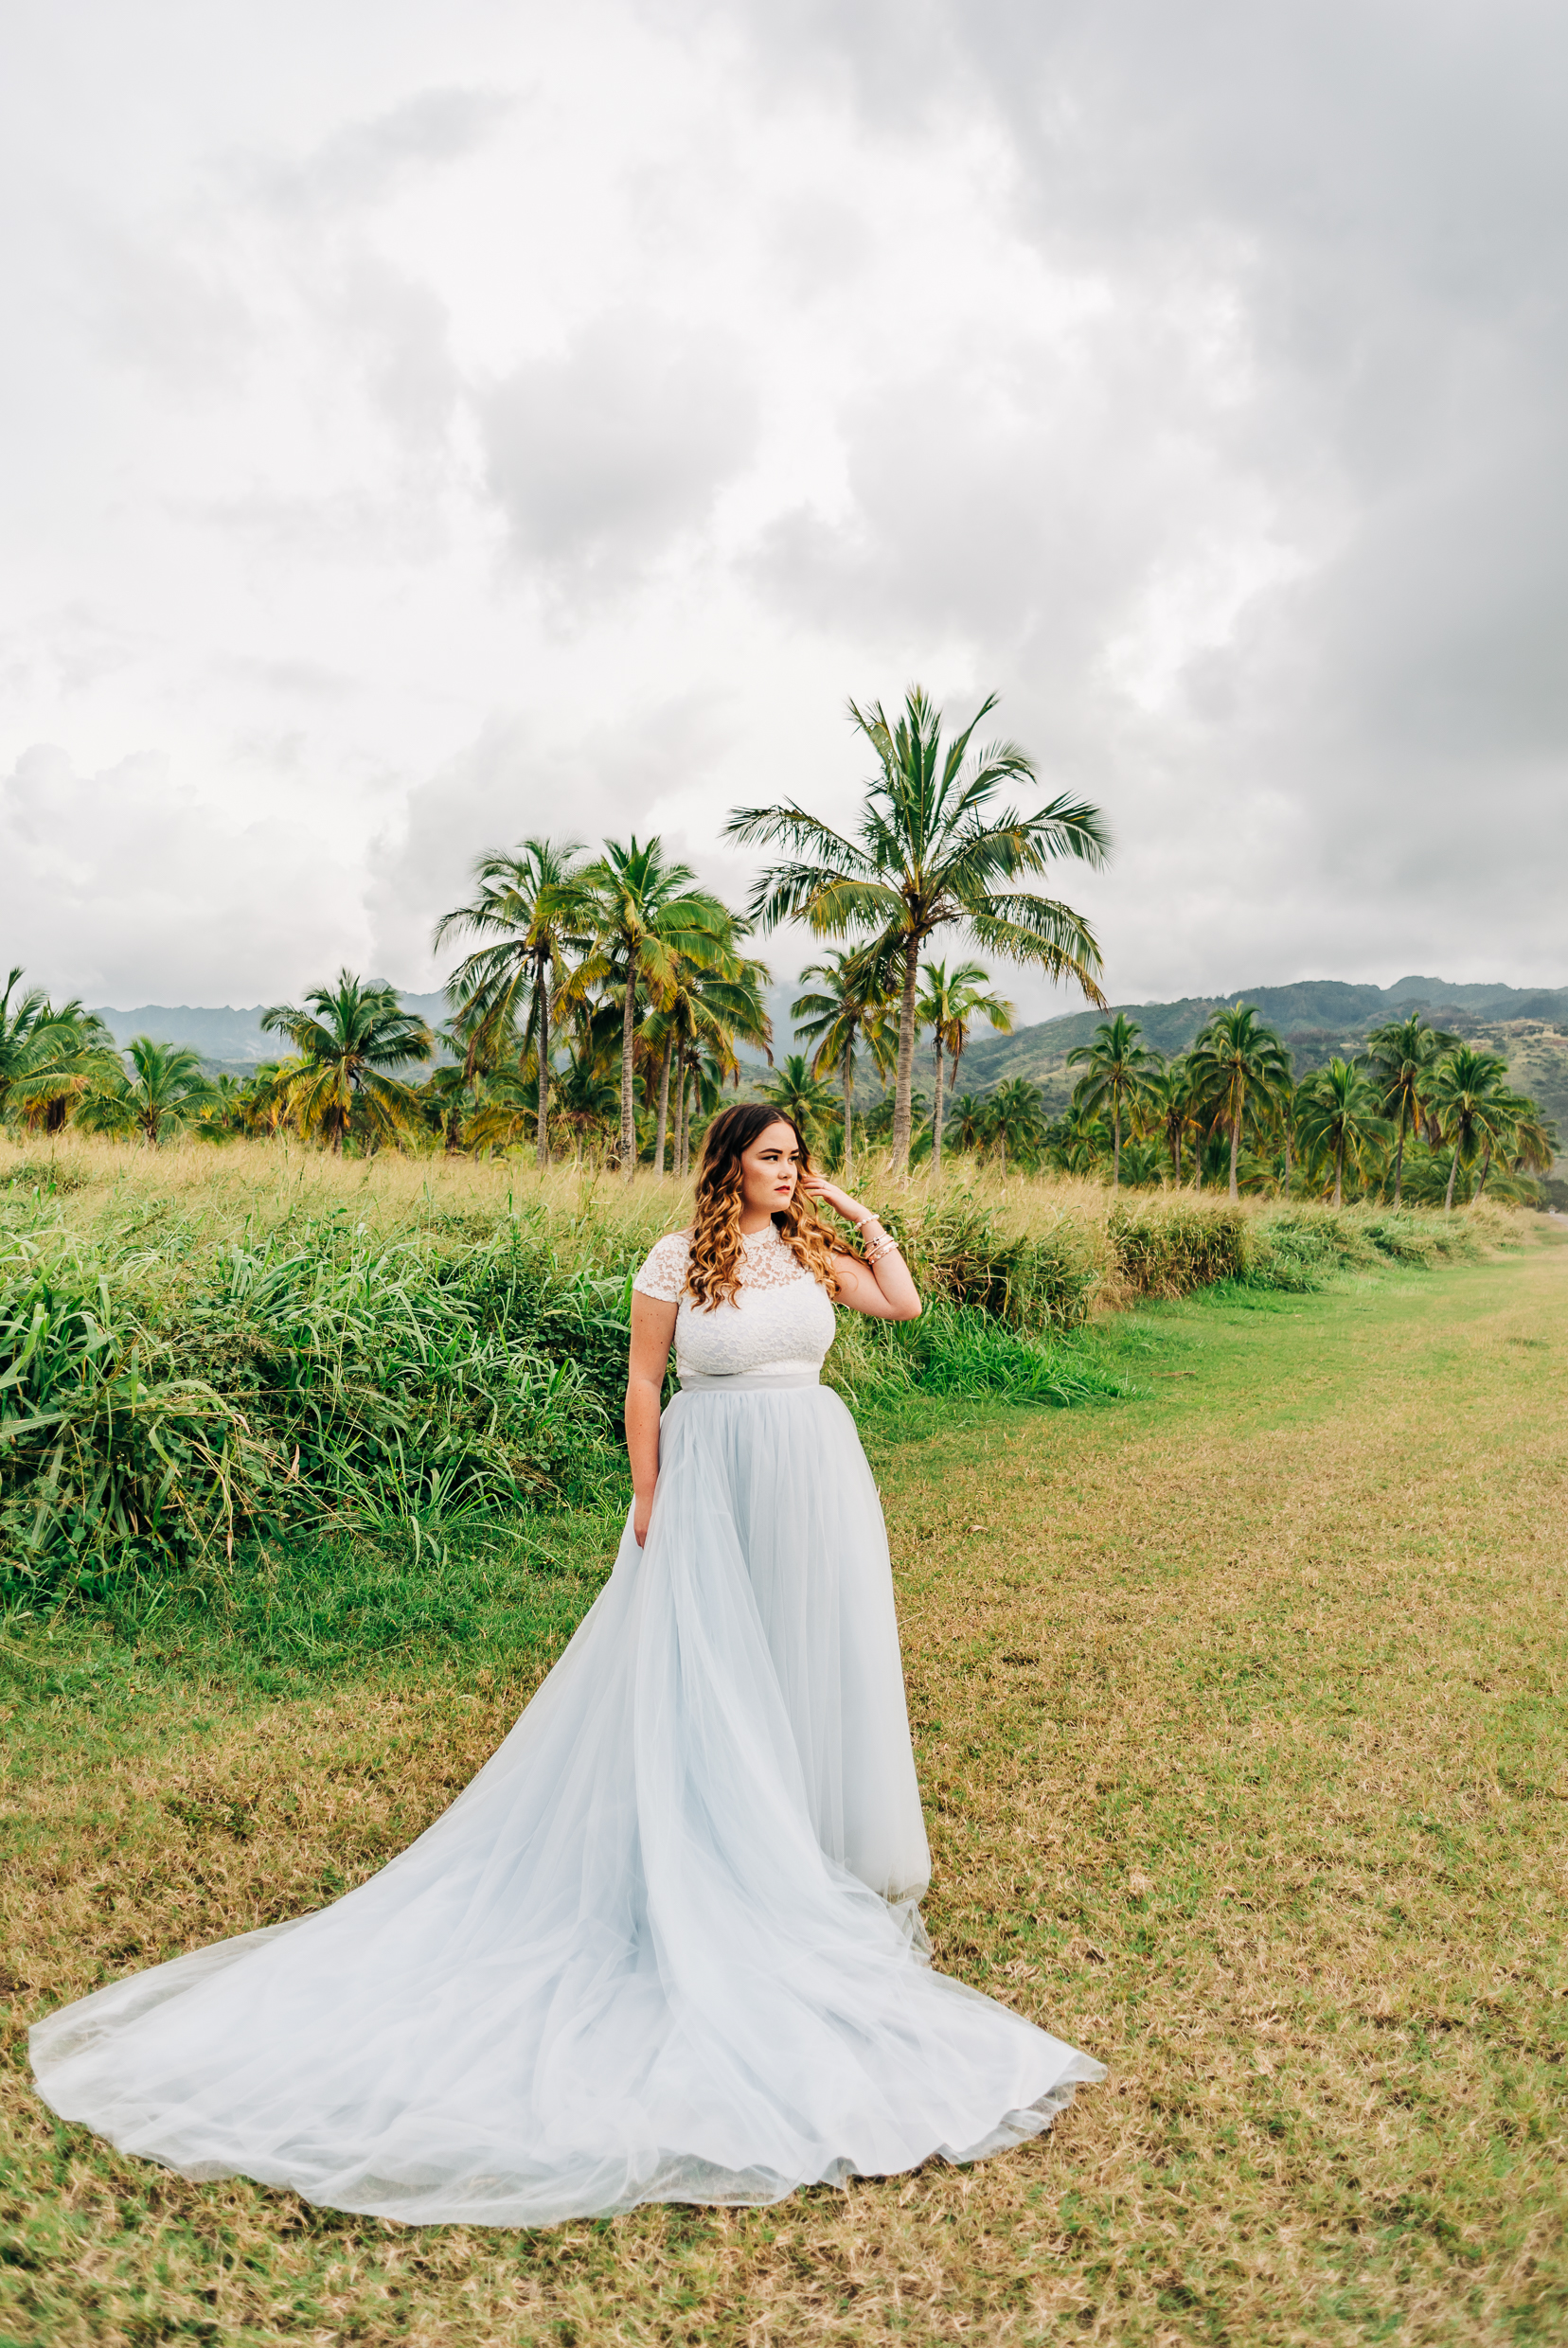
<point x="770" y="1169"/>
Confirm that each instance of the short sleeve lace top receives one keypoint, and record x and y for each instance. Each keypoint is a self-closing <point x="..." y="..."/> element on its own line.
<point x="782" y="1320"/>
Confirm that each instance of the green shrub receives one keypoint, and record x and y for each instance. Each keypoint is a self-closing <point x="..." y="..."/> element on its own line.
<point x="1171" y="1250"/>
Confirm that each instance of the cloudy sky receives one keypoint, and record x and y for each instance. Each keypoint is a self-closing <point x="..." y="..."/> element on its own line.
<point x="423" y="425"/>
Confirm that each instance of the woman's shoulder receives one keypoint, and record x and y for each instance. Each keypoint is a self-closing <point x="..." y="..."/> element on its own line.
<point x="664" y="1269"/>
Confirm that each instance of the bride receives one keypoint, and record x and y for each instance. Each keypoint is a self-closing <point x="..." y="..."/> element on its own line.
<point x="666" y="1945"/>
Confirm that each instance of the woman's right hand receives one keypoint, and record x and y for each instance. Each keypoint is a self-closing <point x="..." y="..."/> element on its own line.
<point x="642" y="1508"/>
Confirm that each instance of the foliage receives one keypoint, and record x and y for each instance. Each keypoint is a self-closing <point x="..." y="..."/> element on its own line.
<point x="1239" y="1072"/>
<point x="930" y="851"/>
<point x="1117" y="1069"/>
<point x="165" y="1092"/>
<point x="949" y="1005"/>
<point x="648" y="920"/>
<point x="1400" y="1058"/>
<point x="348" y="1038"/>
<point x="792" y="1088"/>
<point x="530" y="905"/>
<point x="1336" y="1120"/>
<point x="848" y="1007"/>
<point x="1471" y="1106"/>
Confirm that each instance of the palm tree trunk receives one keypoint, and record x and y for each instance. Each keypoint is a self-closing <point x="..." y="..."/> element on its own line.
<point x="542" y="983"/>
<point x="681" y="1116"/>
<point x="1115" y="1142"/>
<point x="1235" y="1144"/>
<point x="1399" y="1161"/>
<point x="1454" y="1176"/>
<point x="629" y="1029"/>
<point x="664" y="1112"/>
<point x="850" y="1114"/>
<point x="905" y="1083"/>
<point x="1339" y="1174"/>
<point x="1485" y="1169"/>
<point x="1287" y="1161"/>
<point x="936" y="1116"/>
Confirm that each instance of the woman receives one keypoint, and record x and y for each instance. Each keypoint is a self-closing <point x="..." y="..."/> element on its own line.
<point x="664" y="1947"/>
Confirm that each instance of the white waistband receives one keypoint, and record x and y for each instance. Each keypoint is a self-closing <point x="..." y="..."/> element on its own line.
<point x="749" y="1382"/>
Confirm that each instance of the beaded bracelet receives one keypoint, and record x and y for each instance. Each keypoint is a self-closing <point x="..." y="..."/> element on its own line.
<point x="883" y="1244"/>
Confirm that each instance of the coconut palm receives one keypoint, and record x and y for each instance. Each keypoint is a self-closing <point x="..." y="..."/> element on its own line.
<point x="792" y="1088"/>
<point x="1336" y="1115"/>
<point x="967" y="1120"/>
<point x="712" y="1005"/>
<point x="1400" y="1058"/>
<point x="931" y="849"/>
<point x="947" y="1007"/>
<point x="1237" y="1066"/>
<point x="1468" y="1096"/>
<point x="164" y="1090"/>
<point x="530" y="903"/>
<point x="20" y="1023"/>
<point x="49" y="1059"/>
<point x="1116" y="1071"/>
<point x="1015" y="1118"/>
<point x="1167" y="1105"/>
<point x="644" y="915"/>
<point x="587" y="1096"/>
<point x="349" y="1037"/>
<point x="849" y="1006"/>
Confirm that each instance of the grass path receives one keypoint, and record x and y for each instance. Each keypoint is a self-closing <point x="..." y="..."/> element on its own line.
<point x="1239" y="1715"/>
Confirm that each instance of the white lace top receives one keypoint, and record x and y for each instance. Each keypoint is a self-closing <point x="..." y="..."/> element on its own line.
<point x="781" y="1319"/>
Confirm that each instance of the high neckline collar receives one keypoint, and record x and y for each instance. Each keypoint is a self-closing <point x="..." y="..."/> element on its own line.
<point x="752" y="1238"/>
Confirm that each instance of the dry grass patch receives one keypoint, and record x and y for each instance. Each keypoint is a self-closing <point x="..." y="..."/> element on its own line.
<point x="1239" y="1721"/>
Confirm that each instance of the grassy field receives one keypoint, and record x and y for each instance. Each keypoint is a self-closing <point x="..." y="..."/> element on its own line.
<point x="1238" y="1711"/>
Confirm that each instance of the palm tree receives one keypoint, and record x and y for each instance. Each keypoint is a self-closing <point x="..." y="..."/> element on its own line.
<point x="165" y="1088"/>
<point x="587" y="1096"/>
<point x="1116" y="1071"/>
<point x="1336" y="1112"/>
<point x="49" y="1059"/>
<point x="644" y="914"/>
<point x="850" y="1004"/>
<point x="1236" y="1064"/>
<point x="930" y="851"/>
<point x="529" y="903"/>
<point x="947" y="1007"/>
<point x="1015" y="1118"/>
<point x="712" y="1006"/>
<point x="967" y="1120"/>
<point x="1401" y="1057"/>
<point x="18" y="1024"/>
<point x="792" y="1088"/>
<point x="265" y="1094"/>
<point x="349" y="1037"/>
<point x="1168" y="1105"/>
<point x="1468" y="1096"/>
<point x="1532" y="1146"/>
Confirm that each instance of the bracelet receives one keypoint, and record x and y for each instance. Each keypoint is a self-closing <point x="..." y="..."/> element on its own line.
<point x="881" y="1244"/>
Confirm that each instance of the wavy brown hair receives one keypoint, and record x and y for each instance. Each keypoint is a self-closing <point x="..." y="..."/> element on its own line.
<point x="713" y="1274"/>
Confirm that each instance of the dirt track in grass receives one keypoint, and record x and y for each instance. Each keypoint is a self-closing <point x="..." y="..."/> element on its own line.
<point x="1239" y="1717"/>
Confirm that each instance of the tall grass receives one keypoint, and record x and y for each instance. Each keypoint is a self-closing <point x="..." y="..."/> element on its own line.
<point x="199" y="1352"/>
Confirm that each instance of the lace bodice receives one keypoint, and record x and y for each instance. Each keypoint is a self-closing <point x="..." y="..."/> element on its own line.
<point x="781" y="1319"/>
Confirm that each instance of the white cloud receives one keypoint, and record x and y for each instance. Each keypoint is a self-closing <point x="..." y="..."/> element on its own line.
<point x="539" y="419"/>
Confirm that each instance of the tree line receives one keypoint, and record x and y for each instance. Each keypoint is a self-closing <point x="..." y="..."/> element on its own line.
<point x="603" y="1000"/>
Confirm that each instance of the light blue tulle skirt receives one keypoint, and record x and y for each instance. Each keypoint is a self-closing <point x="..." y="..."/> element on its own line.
<point x="666" y="1944"/>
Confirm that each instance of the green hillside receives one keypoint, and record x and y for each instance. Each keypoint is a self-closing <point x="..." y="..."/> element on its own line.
<point x="1319" y="1017"/>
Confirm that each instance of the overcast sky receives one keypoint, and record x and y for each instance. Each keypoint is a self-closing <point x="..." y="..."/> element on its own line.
<point x="423" y="425"/>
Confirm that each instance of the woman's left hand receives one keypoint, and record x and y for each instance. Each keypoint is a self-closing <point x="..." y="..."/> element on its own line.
<point x="825" y="1193"/>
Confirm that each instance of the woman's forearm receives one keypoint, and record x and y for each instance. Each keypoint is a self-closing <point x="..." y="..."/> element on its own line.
<point x="887" y="1267"/>
<point x="642" y="1444"/>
